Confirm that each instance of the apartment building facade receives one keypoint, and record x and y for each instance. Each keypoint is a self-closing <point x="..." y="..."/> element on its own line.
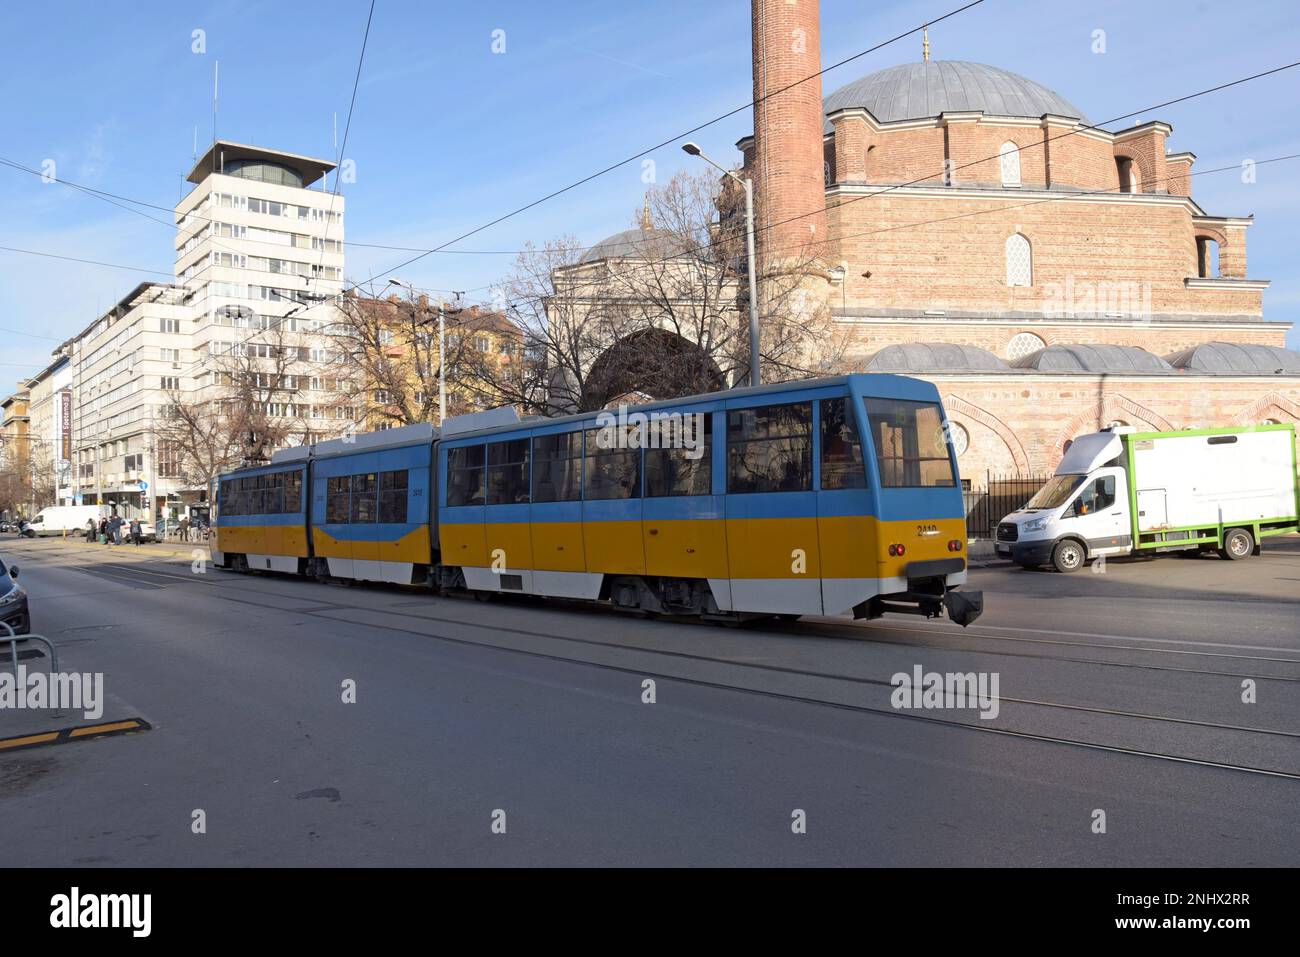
<point x="125" y="364"/>
<point x="50" y="402"/>
<point x="259" y="255"/>
<point x="259" y="266"/>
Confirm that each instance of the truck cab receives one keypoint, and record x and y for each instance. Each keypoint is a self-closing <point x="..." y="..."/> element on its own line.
<point x="1121" y="491"/>
<point x="1082" y="513"/>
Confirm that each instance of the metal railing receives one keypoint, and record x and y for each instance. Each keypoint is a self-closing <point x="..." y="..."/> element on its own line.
<point x="13" y="638"/>
<point x="1000" y="495"/>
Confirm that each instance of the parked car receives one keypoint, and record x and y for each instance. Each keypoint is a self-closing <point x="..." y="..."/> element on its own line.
<point x="13" y="601"/>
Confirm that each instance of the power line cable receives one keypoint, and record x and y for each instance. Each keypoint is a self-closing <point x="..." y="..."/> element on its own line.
<point x="673" y="139"/>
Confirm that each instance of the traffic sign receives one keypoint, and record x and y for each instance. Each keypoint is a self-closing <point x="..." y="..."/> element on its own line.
<point x="143" y="485"/>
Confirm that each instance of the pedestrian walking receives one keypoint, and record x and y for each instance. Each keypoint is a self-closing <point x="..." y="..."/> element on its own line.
<point x="90" y="530"/>
<point x="103" y="531"/>
<point x="184" y="529"/>
<point x="136" y="534"/>
<point x="116" y="528"/>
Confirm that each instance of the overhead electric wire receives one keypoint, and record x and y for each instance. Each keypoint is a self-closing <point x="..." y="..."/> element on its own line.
<point x="946" y="172"/>
<point x="565" y="189"/>
<point x="673" y="139"/>
<point x="343" y="145"/>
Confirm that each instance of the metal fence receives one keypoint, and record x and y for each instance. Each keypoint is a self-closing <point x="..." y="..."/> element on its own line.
<point x="1001" y="494"/>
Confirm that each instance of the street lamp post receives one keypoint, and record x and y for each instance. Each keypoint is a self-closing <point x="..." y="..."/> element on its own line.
<point x="442" y="348"/>
<point x="754" y="375"/>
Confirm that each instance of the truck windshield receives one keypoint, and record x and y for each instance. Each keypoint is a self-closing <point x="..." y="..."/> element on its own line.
<point x="1055" y="492"/>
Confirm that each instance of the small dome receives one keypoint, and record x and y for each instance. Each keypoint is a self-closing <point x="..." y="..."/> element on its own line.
<point x="637" y="244"/>
<point x="934" y="357"/>
<point x="913" y="91"/>
<point x="1237" y="357"/>
<point x="1093" y="358"/>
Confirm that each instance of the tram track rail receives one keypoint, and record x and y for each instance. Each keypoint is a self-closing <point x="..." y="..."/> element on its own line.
<point x="332" y="611"/>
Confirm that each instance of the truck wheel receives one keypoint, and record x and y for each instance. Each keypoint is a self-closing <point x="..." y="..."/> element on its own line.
<point x="1068" y="556"/>
<point x="1237" y="544"/>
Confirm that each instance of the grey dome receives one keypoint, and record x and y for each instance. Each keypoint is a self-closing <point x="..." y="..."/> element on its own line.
<point x="1093" y="358"/>
<point x="1237" y="357"/>
<point x="934" y="357"/>
<point x="637" y="244"/>
<point x="913" y="91"/>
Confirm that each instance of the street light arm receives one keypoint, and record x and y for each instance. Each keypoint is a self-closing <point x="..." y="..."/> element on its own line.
<point x="721" y="169"/>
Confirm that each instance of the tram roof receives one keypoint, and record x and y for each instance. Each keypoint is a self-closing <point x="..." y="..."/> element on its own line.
<point x="422" y="433"/>
<point x="775" y="388"/>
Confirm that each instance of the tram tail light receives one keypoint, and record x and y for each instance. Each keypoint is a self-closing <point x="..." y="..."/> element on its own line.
<point x="954" y="545"/>
<point x="897" y="550"/>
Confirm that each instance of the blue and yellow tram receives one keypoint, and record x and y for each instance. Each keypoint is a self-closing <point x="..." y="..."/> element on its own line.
<point x="832" y="497"/>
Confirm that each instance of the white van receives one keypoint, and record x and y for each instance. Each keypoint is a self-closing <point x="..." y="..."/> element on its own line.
<point x="1122" y="492"/>
<point x="57" y="519"/>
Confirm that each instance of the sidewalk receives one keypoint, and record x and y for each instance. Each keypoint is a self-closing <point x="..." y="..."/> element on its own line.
<point x="171" y="547"/>
<point x="980" y="553"/>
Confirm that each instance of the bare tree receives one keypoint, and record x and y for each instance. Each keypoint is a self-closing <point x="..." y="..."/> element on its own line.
<point x="250" y="406"/>
<point x="667" y="315"/>
<point x="15" y="489"/>
<point x="390" y="345"/>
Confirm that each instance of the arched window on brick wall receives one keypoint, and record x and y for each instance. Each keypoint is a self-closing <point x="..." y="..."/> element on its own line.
<point x="1020" y="261"/>
<point x="1023" y="344"/>
<point x="1009" y="155"/>
<point x="1207" y="257"/>
<point x="1129" y="179"/>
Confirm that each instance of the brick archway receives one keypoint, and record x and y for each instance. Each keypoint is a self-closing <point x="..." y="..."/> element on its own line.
<point x="1257" y="410"/>
<point x="1145" y="175"/>
<point x="1209" y="232"/>
<point x="953" y="403"/>
<point x="1112" y="407"/>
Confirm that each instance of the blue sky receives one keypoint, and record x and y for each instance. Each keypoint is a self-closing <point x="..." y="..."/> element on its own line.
<point x="447" y="135"/>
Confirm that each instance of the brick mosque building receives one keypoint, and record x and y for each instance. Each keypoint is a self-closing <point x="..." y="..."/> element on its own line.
<point x="971" y="227"/>
<point x="1049" y="277"/>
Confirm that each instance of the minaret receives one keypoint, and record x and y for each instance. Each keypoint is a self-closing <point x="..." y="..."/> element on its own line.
<point x="788" y="123"/>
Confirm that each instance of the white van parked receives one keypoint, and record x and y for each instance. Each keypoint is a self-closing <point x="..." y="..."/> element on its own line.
<point x="57" y="519"/>
<point x="1121" y="492"/>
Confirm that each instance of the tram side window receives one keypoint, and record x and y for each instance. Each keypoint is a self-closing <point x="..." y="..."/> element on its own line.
<point x="613" y="465"/>
<point x="557" y="467"/>
<point x="910" y="449"/>
<point x="243" y="496"/>
<point x="684" y="466"/>
<point x="228" y="506"/>
<point x="507" y="472"/>
<point x="293" y="492"/>
<point x="364" y="490"/>
<point x="769" y="449"/>
<point x="392" y="496"/>
<point x="337" y="490"/>
<point x="274" y="500"/>
<point x="465" y="475"/>
<point x="842" y="465"/>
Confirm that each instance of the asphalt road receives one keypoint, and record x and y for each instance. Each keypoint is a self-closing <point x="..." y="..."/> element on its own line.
<point x="1120" y="692"/>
